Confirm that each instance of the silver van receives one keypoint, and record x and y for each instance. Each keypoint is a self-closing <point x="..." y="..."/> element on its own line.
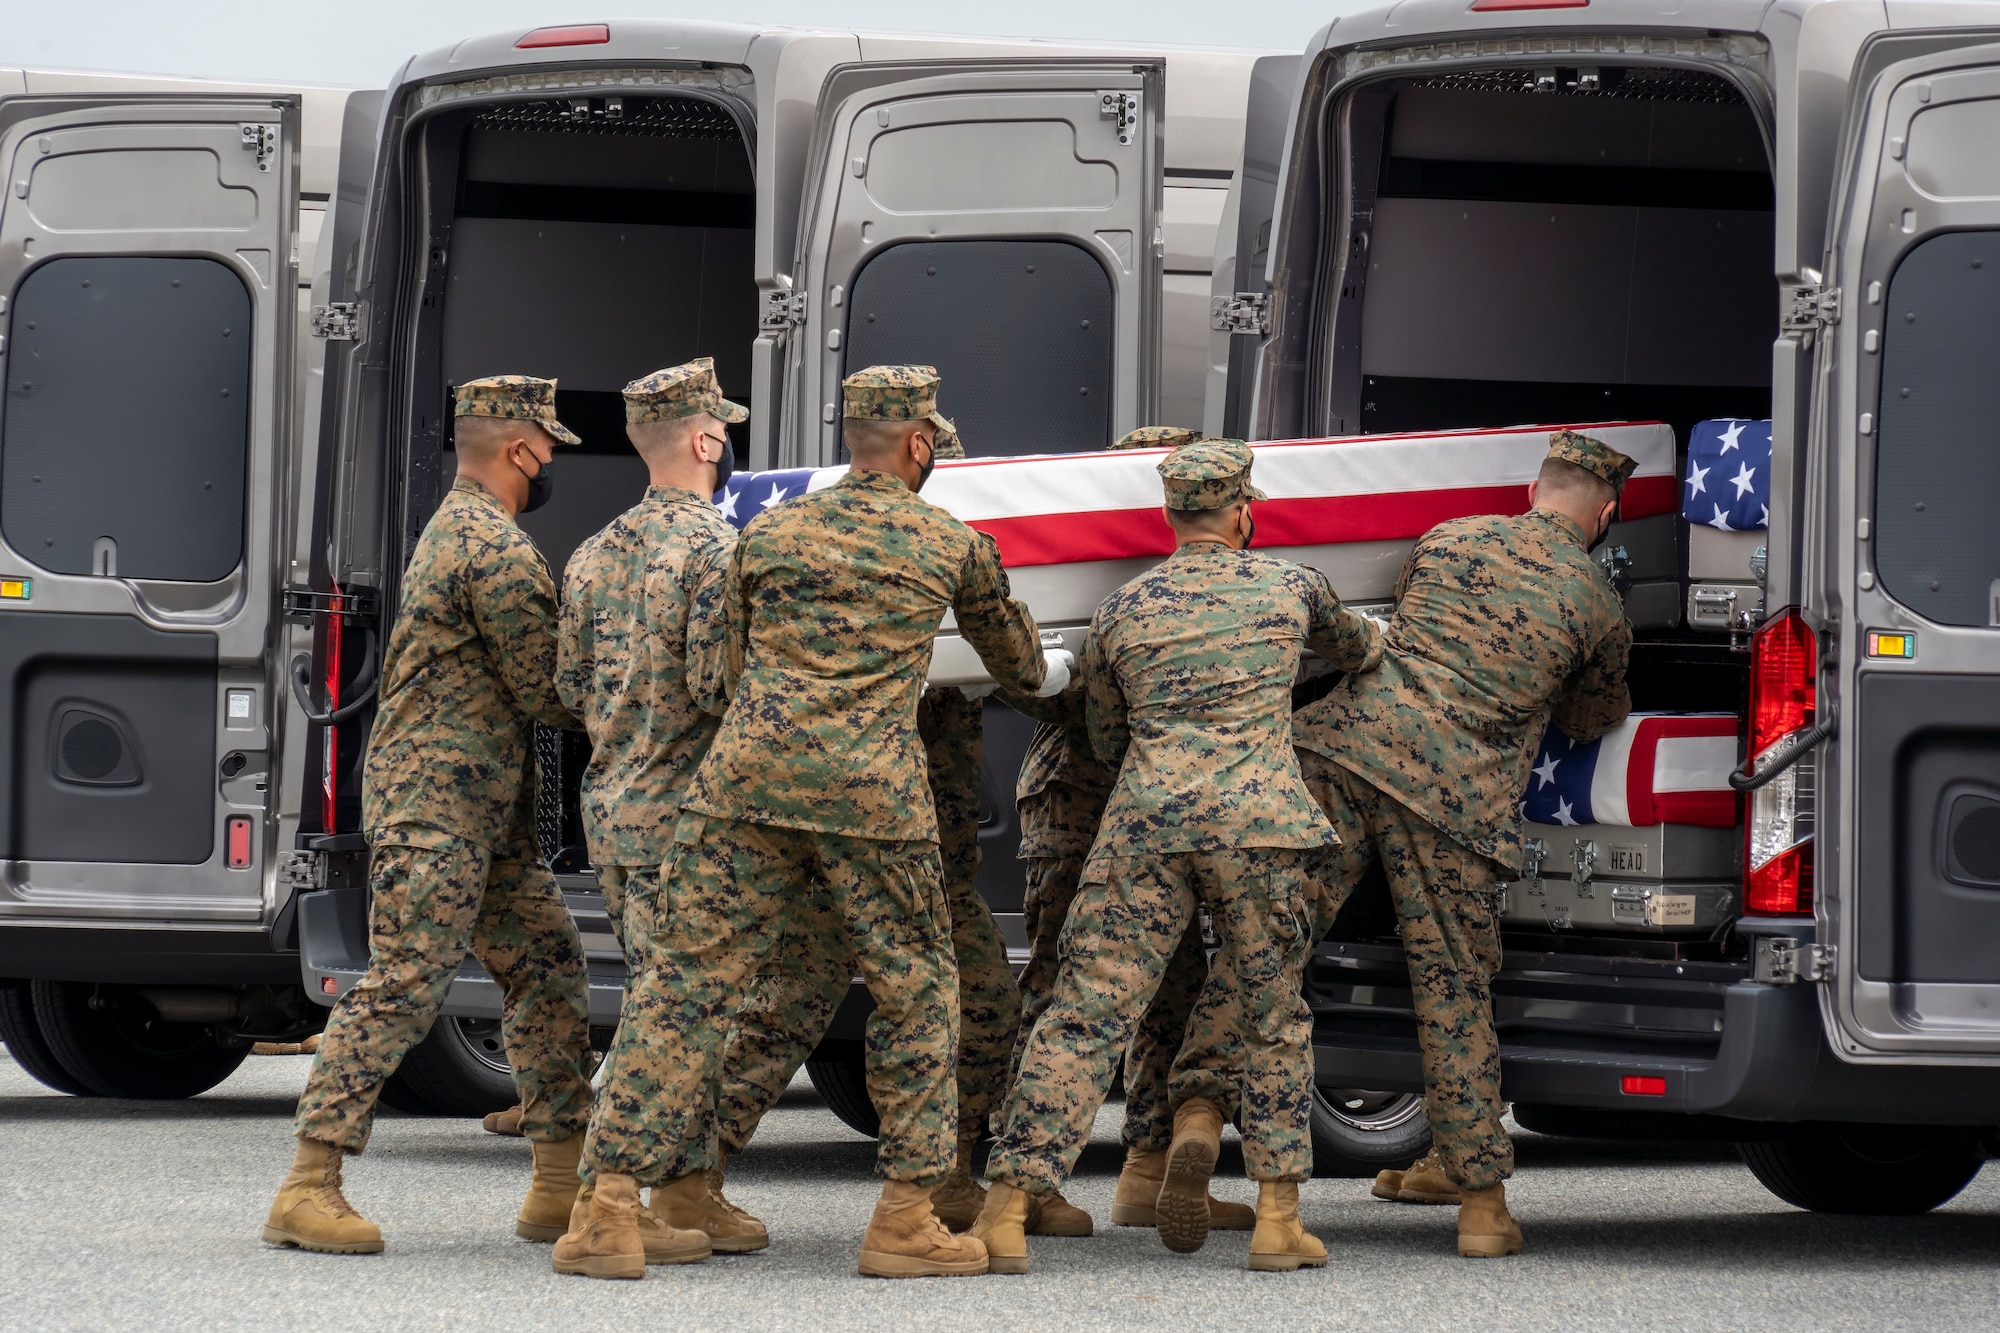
<point x="1475" y="214"/>
<point x="193" y="673"/>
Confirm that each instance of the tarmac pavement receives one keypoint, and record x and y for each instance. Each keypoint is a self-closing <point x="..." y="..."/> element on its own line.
<point x="147" y="1215"/>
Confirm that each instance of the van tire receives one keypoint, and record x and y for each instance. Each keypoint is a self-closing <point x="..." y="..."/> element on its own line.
<point x="839" y="1070"/>
<point x="123" y="1049"/>
<point x="460" y="1069"/>
<point x="25" y="1042"/>
<point x="1878" y="1170"/>
<point x="1357" y="1133"/>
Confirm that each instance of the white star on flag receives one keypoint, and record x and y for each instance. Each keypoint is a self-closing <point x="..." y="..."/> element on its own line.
<point x="1721" y="520"/>
<point x="728" y="506"/>
<point x="1730" y="436"/>
<point x="1745" y="481"/>
<point x="1546" y="770"/>
<point x="777" y="494"/>
<point x="1765" y="521"/>
<point x="1695" y="477"/>
<point x="1563" y="815"/>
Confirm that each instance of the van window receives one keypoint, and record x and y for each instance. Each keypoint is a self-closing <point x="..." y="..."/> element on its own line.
<point x="125" y="439"/>
<point x="1937" y="548"/>
<point x="1020" y="332"/>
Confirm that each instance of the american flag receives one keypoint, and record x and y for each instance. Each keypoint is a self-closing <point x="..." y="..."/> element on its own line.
<point x="1056" y="509"/>
<point x="1728" y="482"/>
<point x="1656" y="768"/>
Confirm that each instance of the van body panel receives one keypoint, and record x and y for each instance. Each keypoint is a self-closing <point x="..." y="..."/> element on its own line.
<point x="1908" y="592"/>
<point x="151" y="313"/>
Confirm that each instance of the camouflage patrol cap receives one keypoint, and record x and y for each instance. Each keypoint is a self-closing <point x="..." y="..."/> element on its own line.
<point x="680" y="391"/>
<point x="892" y="393"/>
<point x="1208" y="474"/>
<point x="948" y="444"/>
<point x="1156" y="437"/>
<point x="513" y="398"/>
<point x="1594" y="456"/>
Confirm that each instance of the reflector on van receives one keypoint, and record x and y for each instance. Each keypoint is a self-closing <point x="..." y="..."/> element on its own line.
<point x="1487" y="6"/>
<point x="596" y="34"/>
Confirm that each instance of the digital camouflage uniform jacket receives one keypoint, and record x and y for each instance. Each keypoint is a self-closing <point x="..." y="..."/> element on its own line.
<point x="833" y="601"/>
<point x="1062" y="786"/>
<point x="1499" y="621"/>
<point x="1191" y="666"/>
<point x="469" y="669"/>
<point x="640" y="662"/>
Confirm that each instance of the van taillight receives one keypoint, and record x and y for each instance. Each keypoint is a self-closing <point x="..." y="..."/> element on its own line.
<point x="573" y="34"/>
<point x="329" y="737"/>
<point x="1778" y="846"/>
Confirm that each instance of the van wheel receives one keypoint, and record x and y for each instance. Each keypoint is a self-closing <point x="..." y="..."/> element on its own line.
<point x="1357" y="1133"/>
<point x="839" y="1070"/>
<point x="26" y="1044"/>
<point x="1878" y="1169"/>
<point x="460" y="1069"/>
<point x="120" y="1047"/>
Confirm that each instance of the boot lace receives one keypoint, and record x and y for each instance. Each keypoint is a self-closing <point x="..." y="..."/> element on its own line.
<point x="327" y="1194"/>
<point x="716" y="1197"/>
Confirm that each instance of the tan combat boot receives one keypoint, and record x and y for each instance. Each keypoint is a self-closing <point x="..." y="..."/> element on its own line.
<point x="1281" y="1243"/>
<point x="905" y="1239"/>
<point x="1426" y="1182"/>
<point x="311" y="1212"/>
<point x="507" y="1122"/>
<point x="1003" y="1228"/>
<point x="1485" y="1228"/>
<point x="603" y="1239"/>
<point x="552" y="1191"/>
<point x="1135" y="1203"/>
<point x="1183" y="1202"/>
<point x="694" y="1203"/>
<point x="1388" y="1184"/>
<point x="1054" y="1216"/>
<point x="958" y="1198"/>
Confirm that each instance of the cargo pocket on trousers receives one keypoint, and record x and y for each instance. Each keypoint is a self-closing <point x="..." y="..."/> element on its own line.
<point x="1282" y="930"/>
<point x="918" y="912"/>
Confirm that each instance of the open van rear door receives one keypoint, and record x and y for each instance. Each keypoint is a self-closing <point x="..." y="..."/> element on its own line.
<point x="1903" y="559"/>
<point x="996" y="219"/>
<point x="147" y="273"/>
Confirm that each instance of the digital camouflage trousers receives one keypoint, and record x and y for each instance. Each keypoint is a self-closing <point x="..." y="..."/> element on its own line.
<point x="733" y="892"/>
<point x="1130" y="916"/>
<point x="1448" y="902"/>
<point x="430" y="904"/>
<point x="1149" y="1108"/>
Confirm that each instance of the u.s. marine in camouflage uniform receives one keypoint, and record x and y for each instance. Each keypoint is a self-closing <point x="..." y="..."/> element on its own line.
<point x="813" y="802"/>
<point x="640" y="662"/>
<point x="1059" y="798"/>
<point x="448" y="804"/>
<point x="1188" y="675"/>
<point x="1499" y="624"/>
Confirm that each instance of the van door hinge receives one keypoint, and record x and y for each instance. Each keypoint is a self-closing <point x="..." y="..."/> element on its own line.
<point x="339" y="322"/>
<point x="302" y="871"/>
<point x="262" y="138"/>
<point x="302" y="604"/>
<point x="1245" y="312"/>
<point x="1123" y="108"/>
<point x="1781" y="962"/>
<point x="1810" y="308"/>
<point x="782" y="312"/>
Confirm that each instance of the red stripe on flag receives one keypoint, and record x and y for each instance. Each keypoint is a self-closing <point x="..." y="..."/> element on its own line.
<point x="1125" y="534"/>
<point x="1710" y="809"/>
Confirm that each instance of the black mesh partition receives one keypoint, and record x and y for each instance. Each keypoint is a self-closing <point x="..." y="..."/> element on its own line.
<point x="125" y="441"/>
<point x="1937" y="548"/>
<point x="1020" y="332"/>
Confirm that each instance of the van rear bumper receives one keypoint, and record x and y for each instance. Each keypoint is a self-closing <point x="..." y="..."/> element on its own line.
<point x="161" y="956"/>
<point x="1770" y="1063"/>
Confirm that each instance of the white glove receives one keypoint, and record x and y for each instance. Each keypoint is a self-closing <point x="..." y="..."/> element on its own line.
<point x="1061" y="662"/>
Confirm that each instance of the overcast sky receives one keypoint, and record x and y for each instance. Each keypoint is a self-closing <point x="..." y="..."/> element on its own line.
<point x="363" y="41"/>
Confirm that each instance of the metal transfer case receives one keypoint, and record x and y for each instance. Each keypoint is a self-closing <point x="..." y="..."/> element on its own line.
<point x="1661" y="879"/>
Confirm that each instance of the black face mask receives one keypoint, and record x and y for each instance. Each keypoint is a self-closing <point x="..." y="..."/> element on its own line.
<point x="725" y="466"/>
<point x="929" y="465"/>
<point x="1250" y="537"/>
<point x="540" y="487"/>
<point x="1603" y="533"/>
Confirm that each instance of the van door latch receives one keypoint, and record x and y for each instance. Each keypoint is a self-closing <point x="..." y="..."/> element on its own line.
<point x="339" y="322"/>
<point x="1245" y="312"/>
<point x="262" y="138"/>
<point x="1781" y="962"/>
<point x="1123" y="108"/>
<point x="1810" y="308"/>
<point x="782" y="312"/>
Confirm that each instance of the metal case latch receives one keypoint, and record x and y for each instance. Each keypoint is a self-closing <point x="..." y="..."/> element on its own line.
<point x="1533" y="850"/>
<point x="1582" y="865"/>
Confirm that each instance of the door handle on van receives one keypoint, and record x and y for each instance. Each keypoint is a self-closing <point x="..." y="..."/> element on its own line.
<point x="301" y="674"/>
<point x="1797" y="750"/>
